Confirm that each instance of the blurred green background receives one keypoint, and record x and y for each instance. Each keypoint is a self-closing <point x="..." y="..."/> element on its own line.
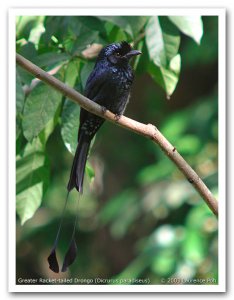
<point x="138" y="216"/>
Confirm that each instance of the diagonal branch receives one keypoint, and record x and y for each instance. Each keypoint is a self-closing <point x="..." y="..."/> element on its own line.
<point x="147" y="130"/>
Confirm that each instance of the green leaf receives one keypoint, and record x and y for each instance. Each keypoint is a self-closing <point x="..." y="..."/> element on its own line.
<point x="93" y="23"/>
<point x="28" y="51"/>
<point x="37" y="31"/>
<point x="28" y="201"/>
<point x="130" y="24"/>
<point x="115" y="33"/>
<point x="49" y="128"/>
<point x="50" y="58"/>
<point x="70" y="125"/>
<point x="19" y="95"/>
<point x="57" y="26"/>
<point x="40" y="108"/>
<point x="25" y="24"/>
<point x="163" y="40"/>
<point x="155" y="42"/>
<point x="20" y="143"/>
<point x="19" y="104"/>
<point x="166" y="78"/>
<point x="171" y="75"/>
<point x="189" y="25"/>
<point x="76" y="44"/>
<point x="71" y="73"/>
<point x="120" y="21"/>
<point x="203" y="53"/>
<point x="32" y="176"/>
<point x="171" y="38"/>
<point x="136" y="23"/>
<point x="85" y="71"/>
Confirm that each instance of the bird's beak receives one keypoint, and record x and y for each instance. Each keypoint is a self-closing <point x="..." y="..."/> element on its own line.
<point x="133" y="53"/>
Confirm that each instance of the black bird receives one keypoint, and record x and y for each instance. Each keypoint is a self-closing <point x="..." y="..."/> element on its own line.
<point x="108" y="85"/>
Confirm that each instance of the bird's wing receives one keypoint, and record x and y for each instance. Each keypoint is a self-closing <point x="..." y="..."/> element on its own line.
<point x="95" y="82"/>
<point x="93" y="90"/>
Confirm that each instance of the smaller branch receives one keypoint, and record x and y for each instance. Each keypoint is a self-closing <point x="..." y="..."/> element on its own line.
<point x="147" y="130"/>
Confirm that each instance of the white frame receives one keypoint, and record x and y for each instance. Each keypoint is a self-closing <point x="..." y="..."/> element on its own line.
<point x="221" y="287"/>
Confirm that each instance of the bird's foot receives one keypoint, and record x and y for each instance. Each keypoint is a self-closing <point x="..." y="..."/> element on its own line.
<point x="117" y="117"/>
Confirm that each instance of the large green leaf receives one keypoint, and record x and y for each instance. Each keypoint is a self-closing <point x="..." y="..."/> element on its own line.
<point x="171" y="38"/>
<point x="70" y="125"/>
<point x="39" y="109"/>
<point x="32" y="176"/>
<point x="189" y="25"/>
<point x="167" y="78"/>
<point x="163" y="40"/>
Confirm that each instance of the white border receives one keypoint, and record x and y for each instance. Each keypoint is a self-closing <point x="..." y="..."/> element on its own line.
<point x="222" y="152"/>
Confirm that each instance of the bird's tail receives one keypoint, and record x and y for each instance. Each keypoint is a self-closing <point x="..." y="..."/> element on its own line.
<point x="78" y="167"/>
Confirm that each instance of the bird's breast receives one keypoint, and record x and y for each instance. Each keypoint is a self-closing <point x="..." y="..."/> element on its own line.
<point x="122" y="78"/>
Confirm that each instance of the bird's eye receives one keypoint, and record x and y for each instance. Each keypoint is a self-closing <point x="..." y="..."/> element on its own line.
<point x="117" y="54"/>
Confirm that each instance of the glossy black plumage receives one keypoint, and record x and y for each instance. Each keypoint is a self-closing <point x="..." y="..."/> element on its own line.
<point x="108" y="85"/>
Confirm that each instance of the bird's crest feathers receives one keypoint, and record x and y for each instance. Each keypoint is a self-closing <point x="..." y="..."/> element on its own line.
<point x="121" y="47"/>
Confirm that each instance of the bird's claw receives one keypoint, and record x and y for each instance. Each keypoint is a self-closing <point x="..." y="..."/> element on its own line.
<point x="117" y="117"/>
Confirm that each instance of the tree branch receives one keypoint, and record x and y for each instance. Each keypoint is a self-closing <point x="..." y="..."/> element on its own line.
<point x="149" y="130"/>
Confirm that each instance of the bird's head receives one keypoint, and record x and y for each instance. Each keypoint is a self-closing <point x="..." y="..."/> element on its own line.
<point x="118" y="53"/>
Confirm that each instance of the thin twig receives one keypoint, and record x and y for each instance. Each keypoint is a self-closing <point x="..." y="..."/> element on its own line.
<point x="147" y="130"/>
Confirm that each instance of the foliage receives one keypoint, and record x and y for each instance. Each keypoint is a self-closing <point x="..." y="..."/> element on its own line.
<point x="145" y="201"/>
